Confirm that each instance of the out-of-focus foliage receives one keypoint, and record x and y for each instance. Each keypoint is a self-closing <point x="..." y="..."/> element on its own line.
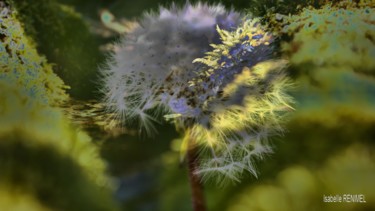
<point x="177" y="194"/>
<point x="37" y="168"/>
<point x="31" y="117"/>
<point x="331" y="50"/>
<point x="20" y="63"/>
<point x="64" y="38"/>
<point x="340" y="35"/>
<point x="27" y="83"/>
<point x="136" y="162"/>
<point x="46" y="162"/>
<point x="327" y="48"/>
<point x="300" y="188"/>
<point x="19" y="201"/>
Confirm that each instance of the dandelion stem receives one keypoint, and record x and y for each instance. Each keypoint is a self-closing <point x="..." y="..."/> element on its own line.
<point x="195" y="183"/>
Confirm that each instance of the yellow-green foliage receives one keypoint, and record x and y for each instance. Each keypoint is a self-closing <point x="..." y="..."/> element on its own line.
<point x="33" y="167"/>
<point x="341" y="34"/>
<point x="300" y="188"/>
<point x="328" y="48"/>
<point x="328" y="91"/>
<point x="19" y="201"/>
<point x="43" y="157"/>
<point x="61" y="34"/>
<point x="27" y="83"/>
<point x="176" y="189"/>
<point x="68" y="153"/>
<point x="20" y="63"/>
<point x="48" y="125"/>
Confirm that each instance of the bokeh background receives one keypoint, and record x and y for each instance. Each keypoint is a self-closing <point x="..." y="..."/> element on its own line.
<point x="54" y="158"/>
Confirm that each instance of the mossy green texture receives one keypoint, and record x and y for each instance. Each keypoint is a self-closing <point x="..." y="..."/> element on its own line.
<point x="331" y="51"/>
<point x="332" y="54"/>
<point x="260" y="8"/>
<point x="50" y="164"/>
<point x="341" y="34"/>
<point x="29" y="90"/>
<point x="64" y="38"/>
<point x="20" y="63"/>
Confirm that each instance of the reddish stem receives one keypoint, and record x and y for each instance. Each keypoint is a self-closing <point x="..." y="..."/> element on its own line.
<point x="195" y="183"/>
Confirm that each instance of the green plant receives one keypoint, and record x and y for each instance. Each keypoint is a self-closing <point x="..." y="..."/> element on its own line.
<point x="43" y="156"/>
<point x="64" y="38"/>
<point x="21" y="64"/>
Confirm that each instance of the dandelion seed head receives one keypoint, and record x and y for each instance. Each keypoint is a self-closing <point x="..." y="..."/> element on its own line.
<point x="154" y="61"/>
<point x="213" y="76"/>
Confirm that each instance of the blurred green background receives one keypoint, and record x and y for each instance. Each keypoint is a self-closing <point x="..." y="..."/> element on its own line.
<point x="328" y="147"/>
